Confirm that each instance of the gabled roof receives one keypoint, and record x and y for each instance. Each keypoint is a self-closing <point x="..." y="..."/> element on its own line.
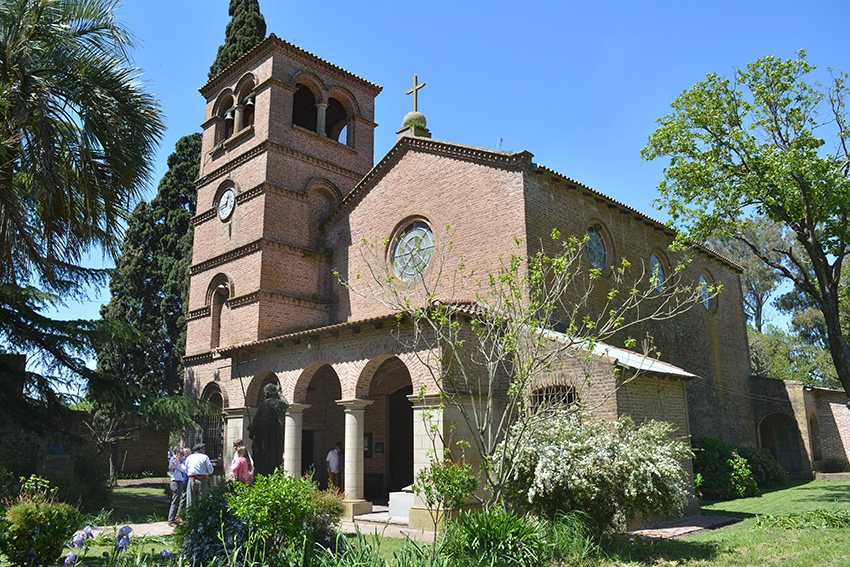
<point x="496" y="158"/>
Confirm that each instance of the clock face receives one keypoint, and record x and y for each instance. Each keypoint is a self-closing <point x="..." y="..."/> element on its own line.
<point x="412" y="251"/>
<point x="225" y="204"/>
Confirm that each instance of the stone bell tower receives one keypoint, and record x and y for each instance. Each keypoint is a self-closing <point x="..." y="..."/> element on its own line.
<point x="286" y="137"/>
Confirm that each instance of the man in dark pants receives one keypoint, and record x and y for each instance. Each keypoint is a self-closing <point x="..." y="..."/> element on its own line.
<point x="176" y="467"/>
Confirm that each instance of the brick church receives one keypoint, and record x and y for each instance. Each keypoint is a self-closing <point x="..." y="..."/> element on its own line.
<point x="289" y="186"/>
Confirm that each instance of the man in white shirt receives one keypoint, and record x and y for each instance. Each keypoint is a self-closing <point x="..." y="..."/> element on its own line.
<point x="332" y="461"/>
<point x="199" y="468"/>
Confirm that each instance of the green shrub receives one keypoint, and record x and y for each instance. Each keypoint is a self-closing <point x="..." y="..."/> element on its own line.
<point x="720" y="472"/>
<point x="495" y="536"/>
<point x="281" y="508"/>
<point x="211" y="530"/>
<point x="611" y="470"/>
<point x="35" y="528"/>
<point x="766" y="469"/>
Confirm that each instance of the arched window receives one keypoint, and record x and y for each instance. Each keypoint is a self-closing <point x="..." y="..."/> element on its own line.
<point x="707" y="292"/>
<point x="245" y="107"/>
<point x="657" y="273"/>
<point x="219" y="297"/>
<point x="597" y="249"/>
<point x="337" y="121"/>
<point x="226" y="118"/>
<point x="304" y="111"/>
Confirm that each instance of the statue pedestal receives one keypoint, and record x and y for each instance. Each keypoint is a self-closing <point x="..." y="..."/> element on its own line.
<point x="56" y="466"/>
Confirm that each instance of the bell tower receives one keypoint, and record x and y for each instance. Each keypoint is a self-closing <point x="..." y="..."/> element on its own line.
<point x="286" y="137"/>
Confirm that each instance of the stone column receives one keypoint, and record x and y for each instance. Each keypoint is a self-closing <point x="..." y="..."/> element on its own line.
<point x="293" y="421"/>
<point x="240" y="118"/>
<point x="321" y="118"/>
<point x="353" y="479"/>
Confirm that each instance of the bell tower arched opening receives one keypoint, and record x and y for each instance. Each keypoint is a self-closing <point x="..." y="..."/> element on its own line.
<point x="304" y="112"/>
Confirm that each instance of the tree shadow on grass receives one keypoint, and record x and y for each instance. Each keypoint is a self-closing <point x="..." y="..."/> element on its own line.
<point x="648" y="552"/>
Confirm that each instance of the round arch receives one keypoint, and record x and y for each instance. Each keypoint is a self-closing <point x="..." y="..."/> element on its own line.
<point x="312" y="82"/>
<point x="220" y="282"/>
<point x="778" y="433"/>
<point x="254" y="392"/>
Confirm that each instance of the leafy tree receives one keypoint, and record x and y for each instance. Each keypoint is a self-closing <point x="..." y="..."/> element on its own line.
<point x="752" y="146"/>
<point x="788" y="356"/>
<point x="78" y="134"/>
<point x="758" y="281"/>
<point x="246" y="28"/>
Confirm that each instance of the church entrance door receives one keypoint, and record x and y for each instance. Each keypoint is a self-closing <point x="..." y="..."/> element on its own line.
<point x="400" y="462"/>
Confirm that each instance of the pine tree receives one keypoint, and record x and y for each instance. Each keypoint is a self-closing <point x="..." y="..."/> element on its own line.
<point x="150" y="287"/>
<point x="246" y="28"/>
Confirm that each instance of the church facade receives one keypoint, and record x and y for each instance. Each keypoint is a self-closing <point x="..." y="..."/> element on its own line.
<point x="289" y="188"/>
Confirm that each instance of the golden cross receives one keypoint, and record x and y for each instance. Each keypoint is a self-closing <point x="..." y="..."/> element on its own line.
<point x="414" y="92"/>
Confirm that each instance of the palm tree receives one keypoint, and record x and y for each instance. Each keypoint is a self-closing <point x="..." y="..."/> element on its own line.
<point x="77" y="136"/>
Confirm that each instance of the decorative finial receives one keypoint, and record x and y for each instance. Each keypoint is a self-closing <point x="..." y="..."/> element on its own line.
<point x="414" y="92"/>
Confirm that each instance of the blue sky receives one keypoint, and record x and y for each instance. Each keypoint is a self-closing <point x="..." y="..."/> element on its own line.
<point x="578" y="84"/>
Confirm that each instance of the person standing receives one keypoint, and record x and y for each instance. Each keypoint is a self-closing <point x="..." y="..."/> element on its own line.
<point x="176" y="467"/>
<point x="333" y="463"/>
<point x="186" y="452"/>
<point x="240" y="468"/>
<point x="236" y="444"/>
<point x="199" y="468"/>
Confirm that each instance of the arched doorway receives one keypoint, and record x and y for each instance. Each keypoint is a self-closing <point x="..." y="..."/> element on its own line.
<point x="780" y="435"/>
<point x="212" y="427"/>
<point x="323" y="422"/>
<point x="388" y="458"/>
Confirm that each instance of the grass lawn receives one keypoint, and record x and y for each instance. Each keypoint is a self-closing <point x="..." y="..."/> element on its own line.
<point x="138" y="505"/>
<point x="746" y="544"/>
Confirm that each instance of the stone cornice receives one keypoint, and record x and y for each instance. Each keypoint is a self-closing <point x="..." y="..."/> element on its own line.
<point x="232" y="164"/>
<point x="275" y="43"/>
<point x="277" y="297"/>
<point x="312" y="160"/>
<point x="246" y="196"/>
<point x="198" y="313"/>
<point x="253" y="247"/>
<point x="198" y="358"/>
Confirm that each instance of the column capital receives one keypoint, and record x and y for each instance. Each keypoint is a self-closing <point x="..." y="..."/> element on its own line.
<point x="354" y="404"/>
<point x="297" y="408"/>
<point x="321" y="105"/>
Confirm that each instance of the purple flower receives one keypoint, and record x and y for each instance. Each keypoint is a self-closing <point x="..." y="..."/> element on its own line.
<point x="123" y="542"/>
<point x="125" y="530"/>
<point x="79" y="538"/>
<point x="88" y="531"/>
<point x="166" y="554"/>
<point x="71" y="559"/>
<point x="106" y="554"/>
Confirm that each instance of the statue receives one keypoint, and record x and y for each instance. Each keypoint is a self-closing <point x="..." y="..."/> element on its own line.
<point x="266" y="431"/>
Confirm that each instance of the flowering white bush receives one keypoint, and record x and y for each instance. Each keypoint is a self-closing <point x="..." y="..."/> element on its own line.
<point x="610" y="470"/>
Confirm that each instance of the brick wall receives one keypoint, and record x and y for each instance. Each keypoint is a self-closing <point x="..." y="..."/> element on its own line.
<point x="709" y="343"/>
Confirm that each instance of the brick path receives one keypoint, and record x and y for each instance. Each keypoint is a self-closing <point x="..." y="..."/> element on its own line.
<point x="683" y="527"/>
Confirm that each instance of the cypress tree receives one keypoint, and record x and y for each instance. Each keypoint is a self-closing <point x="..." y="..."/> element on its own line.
<point x="246" y="28"/>
<point x="150" y="287"/>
